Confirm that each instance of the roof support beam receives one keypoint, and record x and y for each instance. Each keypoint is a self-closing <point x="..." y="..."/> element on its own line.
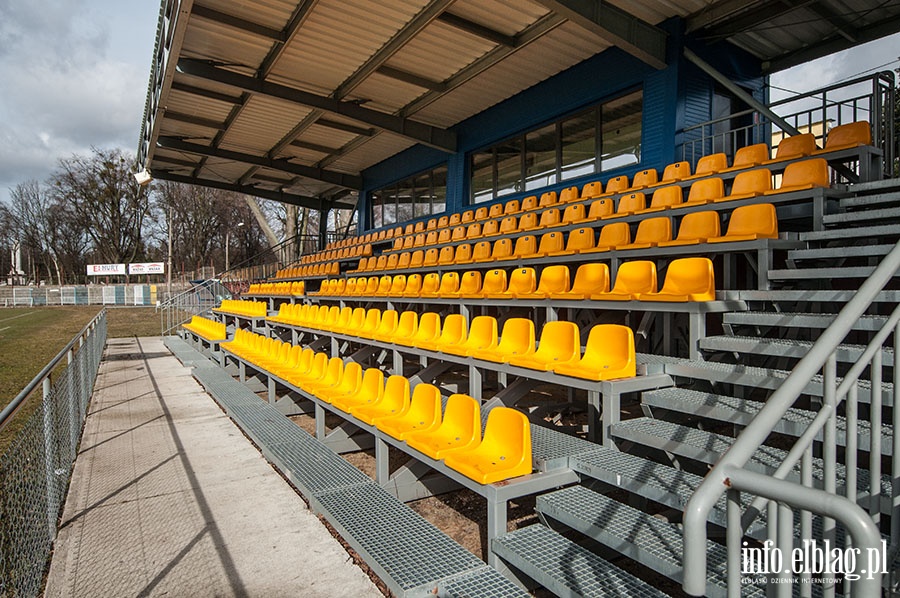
<point x="302" y="11"/>
<point x="477" y="30"/>
<point x="420" y="132"/>
<point x="298" y="200"/>
<point x="618" y="27"/>
<point x="319" y="174"/>
<point x="410" y="78"/>
<point x="194" y="120"/>
<point x="206" y="93"/>
<point x="751" y="16"/>
<point x="216" y="16"/>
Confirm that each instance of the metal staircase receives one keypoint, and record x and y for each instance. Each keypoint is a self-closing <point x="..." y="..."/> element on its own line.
<point x="623" y="530"/>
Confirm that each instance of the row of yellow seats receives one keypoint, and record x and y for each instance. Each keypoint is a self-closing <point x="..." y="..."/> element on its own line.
<point x="798" y="176"/>
<point x="238" y="307"/>
<point x="206" y="328"/>
<point x="416" y="417"/>
<point x="687" y="279"/>
<point x="609" y="352"/>
<point x="297" y="288"/>
<point x="322" y="269"/>
<point x="340" y="253"/>
<point x="746" y="223"/>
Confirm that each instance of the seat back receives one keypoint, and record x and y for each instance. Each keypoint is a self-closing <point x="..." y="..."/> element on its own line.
<point x="470" y="282"/>
<point x="467" y="216"/>
<point x="419" y="240"/>
<point x="580" y="238"/>
<point x="644" y="178"/>
<point x="849" y="135"/>
<point x="796" y="146"/>
<point x="413" y="285"/>
<point x="573" y="213"/>
<point x="522" y="281"/>
<point x="548" y="198"/>
<point x="371" y="286"/>
<point x="371" y="389"/>
<point x="453" y="332"/>
<point x="755" y="182"/>
<point x="600" y="208"/>
<point x="473" y="231"/>
<point x="431" y="238"/>
<point x="481" y="213"/>
<point x="429" y="327"/>
<point x="551" y="243"/>
<point x="482" y="332"/>
<point x="756" y="219"/>
<point x="699" y="225"/>
<point x="560" y="342"/>
<point x="407" y="324"/>
<point x="494" y="282"/>
<point x="633" y="202"/>
<point x="417" y="259"/>
<point x="509" y="224"/>
<point x="384" y="285"/>
<point x="381" y="262"/>
<point x="517" y="336"/>
<point x="398" y="285"/>
<point x="446" y="255"/>
<point x="432" y="224"/>
<point x="614" y="234"/>
<point x="676" y="172"/>
<point x="463" y="254"/>
<point x="507" y="438"/>
<point x="511" y="207"/>
<point x="526" y="245"/>
<point x="431" y="283"/>
<point x="568" y="194"/>
<point x="610" y="347"/>
<point x="431" y="257"/>
<point x="404" y="260"/>
<point x="617" y="184"/>
<point x="706" y="190"/>
<point x="528" y="221"/>
<point x="806" y="173"/>
<point x="590" y="190"/>
<point x="654" y="230"/>
<point x="444" y="235"/>
<point x="549" y="217"/>
<point x="711" y="164"/>
<point x="481" y="251"/>
<point x="496" y="210"/>
<point x="666" y="197"/>
<point x="392" y="261"/>
<point x="357" y="319"/>
<point x="370" y="325"/>
<point x="458" y="234"/>
<point x="750" y="155"/>
<point x="591" y="278"/>
<point x="490" y="228"/>
<point x="455" y="219"/>
<point x="554" y="279"/>
<point x="691" y="276"/>
<point x="529" y="203"/>
<point x="443" y="222"/>
<point x="636" y="277"/>
<point x="449" y="283"/>
<point x="502" y="248"/>
<point x="410" y="229"/>
<point x="388" y="324"/>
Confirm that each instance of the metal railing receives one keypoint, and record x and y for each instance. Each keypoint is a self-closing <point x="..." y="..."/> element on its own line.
<point x="198" y="300"/>
<point x="836" y="509"/>
<point x="869" y="98"/>
<point x="37" y="464"/>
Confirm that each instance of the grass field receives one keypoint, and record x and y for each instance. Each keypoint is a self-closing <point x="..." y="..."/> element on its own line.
<point x="30" y="337"/>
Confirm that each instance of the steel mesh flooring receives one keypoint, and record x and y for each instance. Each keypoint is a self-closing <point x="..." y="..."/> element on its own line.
<point x="551" y="449"/>
<point x="485" y="582"/>
<point x="390" y="535"/>
<point x="565" y="567"/>
<point x="811" y="320"/>
<point x="315" y="467"/>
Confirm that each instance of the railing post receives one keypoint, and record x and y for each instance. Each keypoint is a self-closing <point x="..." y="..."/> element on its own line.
<point x="49" y="453"/>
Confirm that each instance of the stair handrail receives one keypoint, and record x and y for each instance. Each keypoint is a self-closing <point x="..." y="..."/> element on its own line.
<point x="729" y="472"/>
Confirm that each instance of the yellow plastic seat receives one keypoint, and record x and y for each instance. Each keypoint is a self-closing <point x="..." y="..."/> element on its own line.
<point x="599" y="208"/>
<point x="548" y="198"/>
<point x="502" y="249"/>
<point x="554" y="279"/>
<point x="444" y="235"/>
<point x="706" y="190"/>
<point x="749" y="183"/>
<point x="455" y="219"/>
<point x="749" y="156"/>
<point x="431" y="257"/>
<point x="482" y="334"/>
<point x="628" y="204"/>
<point x="591" y="190"/>
<point x="503" y="453"/>
<point x="330" y="375"/>
<point x="496" y="211"/>
<point x="458" y="234"/>
<point x="522" y="282"/>
<point x="526" y="246"/>
<point x="394" y="401"/>
<point x="749" y="223"/>
<point x="371" y="287"/>
<point x="384" y="286"/>
<point x="617" y="184"/>
<point x="330" y="319"/>
<point x="413" y="285"/>
<point x="481" y="252"/>
<point x="589" y="279"/>
<point x="449" y="284"/>
<point x="294" y="361"/>
<point x="370" y="390"/>
<point x="460" y="429"/>
<point x="357" y="319"/>
<point x="632" y="280"/>
<point x="847" y="136"/>
<point x="392" y="261"/>
<point x="350" y="379"/>
<point x="406" y="242"/>
<point x="481" y="214"/>
<point x="528" y="222"/>
<point x="387" y="326"/>
<point x="687" y="279"/>
<point x="711" y="164"/>
<point x="443" y="222"/>
<point x="463" y="254"/>
<point x="650" y="233"/>
<point x="794" y="147"/>
<point x="694" y="228"/>
<point x="516" y="339"/>
<point x="431" y="238"/>
<point x="608" y="355"/>
<point x="469" y="285"/>
<point x="453" y="332"/>
<point x="573" y="213"/>
<point x="428" y="329"/>
<point x="509" y="224"/>
<point x="490" y="228"/>
<point x="560" y="343"/>
<point x="467" y="217"/>
<point x="409" y="229"/>
<point x="675" y="172"/>
<point x="343" y="320"/>
<point x="432" y="224"/>
<point x="398" y="285"/>
<point x="529" y="203"/>
<point x="580" y="239"/>
<point x="381" y="262"/>
<point x="568" y="194"/>
<point x="405" y="259"/>
<point x="645" y="178"/>
<point x="446" y="255"/>
<point x="407" y="325"/>
<point x="494" y="283"/>
<point x="549" y="218"/>
<point x="473" y="231"/>
<point x="511" y="207"/>
<point x="611" y="236"/>
<point x="431" y="284"/>
<point x="423" y="414"/>
<point x="315" y="370"/>
<point x="799" y="176"/>
<point x="664" y="197"/>
<point x="370" y="325"/>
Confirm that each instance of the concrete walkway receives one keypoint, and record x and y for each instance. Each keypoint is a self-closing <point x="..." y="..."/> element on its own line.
<point x="168" y="498"/>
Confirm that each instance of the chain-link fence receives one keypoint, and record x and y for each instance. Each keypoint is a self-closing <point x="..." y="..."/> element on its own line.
<point x="37" y="464"/>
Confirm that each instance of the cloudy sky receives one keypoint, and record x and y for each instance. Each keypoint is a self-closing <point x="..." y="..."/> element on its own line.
<point x="74" y="75"/>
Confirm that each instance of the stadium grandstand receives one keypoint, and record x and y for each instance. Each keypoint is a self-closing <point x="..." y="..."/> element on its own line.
<point x="591" y="264"/>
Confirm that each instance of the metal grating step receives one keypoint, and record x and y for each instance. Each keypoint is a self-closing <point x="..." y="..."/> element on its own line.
<point x="551" y="449"/>
<point x="186" y="354"/>
<point x="778" y="347"/>
<point x="229" y="393"/>
<point x="848" y="272"/>
<point x="649" y="540"/>
<point x="847" y="251"/>
<point x="481" y="582"/>
<point x="879" y="185"/>
<point x="767" y="378"/>
<point x="742" y="411"/>
<point x="874" y="199"/>
<point x="708" y="447"/>
<point x="405" y="550"/>
<point x="799" y="320"/>
<point x="805" y="296"/>
<point x="564" y="567"/>
<point x="862" y="216"/>
<point x="858" y="232"/>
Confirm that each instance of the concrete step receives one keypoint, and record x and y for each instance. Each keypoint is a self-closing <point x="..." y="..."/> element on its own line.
<point x="767" y="378"/>
<point x="649" y="540"/>
<point x="872" y="215"/>
<point x="741" y="412"/>
<point x="848" y="272"/>
<point x="798" y="320"/>
<point x="564" y="567"/>
<point x="881" y="185"/>
<point x="872" y="199"/>
<point x="848" y="251"/>
<point x="708" y="447"/>
<point x="780" y="347"/>
<point x="855" y="232"/>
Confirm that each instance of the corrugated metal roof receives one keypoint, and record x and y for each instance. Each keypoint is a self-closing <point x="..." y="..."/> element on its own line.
<point x="436" y="62"/>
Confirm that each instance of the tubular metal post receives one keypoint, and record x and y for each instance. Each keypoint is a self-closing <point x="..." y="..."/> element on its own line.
<point x="733" y="542"/>
<point x="786" y="545"/>
<point x="875" y="439"/>
<point x="895" y="444"/>
<point x="829" y="454"/>
<point x="49" y="453"/>
<point x="806" y="478"/>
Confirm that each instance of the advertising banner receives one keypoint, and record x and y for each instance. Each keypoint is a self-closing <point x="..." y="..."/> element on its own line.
<point x="147" y="268"/>
<point x="106" y="269"/>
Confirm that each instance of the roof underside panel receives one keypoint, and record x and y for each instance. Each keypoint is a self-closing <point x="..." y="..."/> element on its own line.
<point x="262" y="123"/>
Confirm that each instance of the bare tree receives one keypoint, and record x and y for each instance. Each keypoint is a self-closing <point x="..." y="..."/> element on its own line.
<point x="38" y="223"/>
